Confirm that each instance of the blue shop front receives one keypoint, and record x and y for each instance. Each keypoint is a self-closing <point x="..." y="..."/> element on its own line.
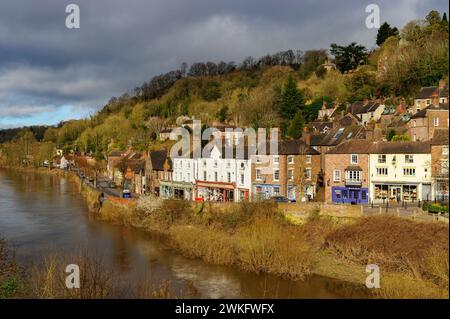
<point x="349" y="195"/>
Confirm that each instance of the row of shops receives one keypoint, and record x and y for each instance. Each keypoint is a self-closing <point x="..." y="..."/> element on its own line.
<point x="382" y="192"/>
<point x="203" y="191"/>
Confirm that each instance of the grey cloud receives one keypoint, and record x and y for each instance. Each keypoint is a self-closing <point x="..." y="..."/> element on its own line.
<point x="123" y="43"/>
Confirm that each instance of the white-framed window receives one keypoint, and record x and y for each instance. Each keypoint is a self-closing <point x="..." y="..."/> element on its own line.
<point x="409" y="158"/>
<point x="205" y="175"/>
<point x="188" y="177"/>
<point x="382" y="171"/>
<point x="216" y="176"/>
<point x="428" y="101"/>
<point x="215" y="163"/>
<point x="276" y="191"/>
<point x="188" y="164"/>
<point x="436" y="121"/>
<point x="336" y="175"/>
<point x="354" y="176"/>
<point x="409" y="172"/>
<point x="382" y="158"/>
<point x="445" y="150"/>
<point x="276" y="159"/>
<point x="290" y="174"/>
<point x="308" y="173"/>
<point x="228" y="177"/>
<point x="181" y="164"/>
<point x="308" y="159"/>
<point x="276" y="175"/>
<point x="242" y="179"/>
<point x="228" y="164"/>
<point x="354" y="159"/>
<point x="258" y="174"/>
<point x="290" y="159"/>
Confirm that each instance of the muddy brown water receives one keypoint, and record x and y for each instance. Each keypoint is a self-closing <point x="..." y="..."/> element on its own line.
<point x="41" y="214"/>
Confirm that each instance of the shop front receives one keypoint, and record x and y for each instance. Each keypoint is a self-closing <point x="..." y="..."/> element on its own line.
<point x="349" y="195"/>
<point x="395" y="192"/>
<point x="266" y="191"/>
<point x="215" y="191"/>
<point x="176" y="190"/>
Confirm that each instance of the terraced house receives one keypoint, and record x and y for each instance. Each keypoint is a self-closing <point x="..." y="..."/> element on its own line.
<point x="359" y="172"/>
<point x="400" y="171"/>
<point x="294" y="172"/>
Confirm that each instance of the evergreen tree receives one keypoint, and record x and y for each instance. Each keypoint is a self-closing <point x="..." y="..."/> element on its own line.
<point x="292" y="100"/>
<point x="384" y="32"/>
<point x="296" y="127"/>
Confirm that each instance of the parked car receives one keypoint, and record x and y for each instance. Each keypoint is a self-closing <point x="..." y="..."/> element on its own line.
<point x="281" y="199"/>
<point x="126" y="193"/>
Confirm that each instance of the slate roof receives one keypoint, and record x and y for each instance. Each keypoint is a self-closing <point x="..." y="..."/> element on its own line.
<point x="423" y="113"/>
<point x="365" y="147"/>
<point x="338" y="135"/>
<point x="157" y="159"/>
<point x="426" y="92"/>
<point x="295" y="147"/>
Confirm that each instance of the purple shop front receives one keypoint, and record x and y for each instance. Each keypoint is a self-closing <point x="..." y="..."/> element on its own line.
<point x="349" y="195"/>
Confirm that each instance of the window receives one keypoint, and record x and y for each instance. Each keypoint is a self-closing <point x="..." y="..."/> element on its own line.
<point x="276" y="175"/>
<point x="215" y="163"/>
<point x="290" y="159"/>
<point x="308" y="159"/>
<point x="188" y="177"/>
<point x="258" y="174"/>
<point x="229" y="177"/>
<point x="276" y="191"/>
<point x="204" y="163"/>
<point x="354" y="158"/>
<point x="181" y="164"/>
<point x="409" y="172"/>
<point x="445" y="150"/>
<point x="409" y="158"/>
<point x="276" y="159"/>
<point x="353" y="176"/>
<point x="242" y="179"/>
<point x="188" y="164"/>
<point x="382" y="171"/>
<point x="308" y="173"/>
<point x="215" y="176"/>
<point x="336" y="175"/>
<point x="258" y="159"/>
<point x="290" y="174"/>
<point x="436" y="121"/>
<point x="204" y="176"/>
<point x="228" y="164"/>
<point x="428" y="102"/>
<point x="414" y="138"/>
<point x="382" y="158"/>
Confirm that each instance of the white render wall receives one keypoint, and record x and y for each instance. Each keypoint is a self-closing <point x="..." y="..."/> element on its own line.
<point x="227" y="170"/>
<point x="422" y="164"/>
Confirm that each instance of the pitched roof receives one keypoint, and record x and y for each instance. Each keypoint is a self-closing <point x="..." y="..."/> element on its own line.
<point x="426" y="92"/>
<point x="338" y="135"/>
<point x="295" y="147"/>
<point x="440" y="137"/>
<point x="444" y="91"/>
<point x="365" y="147"/>
<point x="360" y="107"/>
<point x="115" y="153"/>
<point x="352" y="147"/>
<point x="431" y="107"/>
<point x="157" y="159"/>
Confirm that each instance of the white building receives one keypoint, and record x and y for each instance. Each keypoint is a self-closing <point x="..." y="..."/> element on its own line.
<point x="215" y="177"/>
<point x="400" y="171"/>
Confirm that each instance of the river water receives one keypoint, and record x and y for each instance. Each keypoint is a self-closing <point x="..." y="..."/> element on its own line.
<point x="41" y="214"/>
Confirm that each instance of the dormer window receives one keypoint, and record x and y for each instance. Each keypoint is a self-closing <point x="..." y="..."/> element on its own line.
<point x="354" y="159"/>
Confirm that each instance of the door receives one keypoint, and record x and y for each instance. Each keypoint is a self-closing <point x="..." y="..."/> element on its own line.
<point x="426" y="192"/>
<point x="396" y="193"/>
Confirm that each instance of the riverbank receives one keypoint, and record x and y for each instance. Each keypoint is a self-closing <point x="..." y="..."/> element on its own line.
<point x="257" y="237"/>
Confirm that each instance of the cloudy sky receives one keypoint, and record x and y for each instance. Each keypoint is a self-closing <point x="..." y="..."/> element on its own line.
<point x="49" y="73"/>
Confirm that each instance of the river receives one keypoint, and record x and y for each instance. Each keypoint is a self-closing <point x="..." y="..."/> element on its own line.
<point x="42" y="214"/>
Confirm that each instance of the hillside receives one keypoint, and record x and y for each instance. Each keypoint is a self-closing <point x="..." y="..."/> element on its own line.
<point x="284" y="89"/>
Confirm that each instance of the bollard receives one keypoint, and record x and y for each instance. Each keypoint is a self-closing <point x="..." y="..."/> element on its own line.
<point x="380" y="210"/>
<point x="398" y="212"/>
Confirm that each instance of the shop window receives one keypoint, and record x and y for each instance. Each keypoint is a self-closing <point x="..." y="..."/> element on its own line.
<point x="338" y="194"/>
